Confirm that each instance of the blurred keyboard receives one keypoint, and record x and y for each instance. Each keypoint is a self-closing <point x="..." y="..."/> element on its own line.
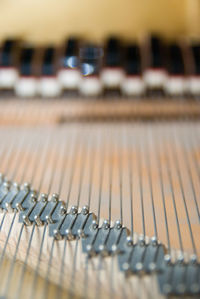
<point x="153" y="67"/>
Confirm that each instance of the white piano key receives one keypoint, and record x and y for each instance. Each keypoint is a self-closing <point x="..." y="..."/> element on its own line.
<point x="8" y="77"/>
<point x="69" y="78"/>
<point x="26" y="87"/>
<point x="193" y="84"/>
<point x="175" y="85"/>
<point x="90" y="86"/>
<point x="133" y="86"/>
<point x="155" y="78"/>
<point x="112" y="77"/>
<point x="49" y="87"/>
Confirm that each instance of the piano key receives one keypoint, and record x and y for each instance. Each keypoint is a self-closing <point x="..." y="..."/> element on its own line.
<point x="155" y="72"/>
<point x="69" y="73"/>
<point x="27" y="83"/>
<point x="8" y="71"/>
<point x="90" y="63"/>
<point x="194" y="78"/>
<point x="49" y="86"/>
<point x="176" y="82"/>
<point x="133" y="84"/>
<point x="112" y="72"/>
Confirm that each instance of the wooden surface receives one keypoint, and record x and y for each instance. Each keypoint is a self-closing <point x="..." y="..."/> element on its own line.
<point x="52" y="21"/>
<point x="43" y="111"/>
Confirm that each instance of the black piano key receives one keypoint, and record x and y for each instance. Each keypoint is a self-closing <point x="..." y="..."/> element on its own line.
<point x="90" y="57"/>
<point x="113" y="53"/>
<point x="6" y="55"/>
<point x="196" y="58"/>
<point x="156" y="48"/>
<point x="48" y="66"/>
<point x="70" y="59"/>
<point x="175" y="60"/>
<point x="26" y="59"/>
<point x="132" y="60"/>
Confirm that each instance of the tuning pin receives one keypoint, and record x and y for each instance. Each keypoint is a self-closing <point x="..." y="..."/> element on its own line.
<point x="6" y="186"/>
<point x="26" y="186"/>
<point x="117" y="224"/>
<point x="154" y="241"/>
<point x="141" y="240"/>
<point x="129" y="241"/>
<point x="180" y="258"/>
<point x="57" y="234"/>
<point x="81" y="233"/>
<point x="38" y="220"/>
<point x="74" y="210"/>
<point x="69" y="235"/>
<point x="26" y="220"/>
<point x="106" y="224"/>
<point x="94" y="225"/>
<point x="8" y="207"/>
<point x="85" y="210"/>
<point x="55" y="197"/>
<point x="44" y="197"/>
<point x="49" y="219"/>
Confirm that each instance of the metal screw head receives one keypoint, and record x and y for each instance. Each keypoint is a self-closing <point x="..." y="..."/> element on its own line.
<point x="19" y="207"/>
<point x="114" y="248"/>
<point x="126" y="266"/>
<point x="49" y="219"/>
<point x="62" y="210"/>
<point x="81" y="233"/>
<point x="167" y="258"/>
<point x="55" y="197"/>
<point x="101" y="247"/>
<point x="16" y="185"/>
<point x="180" y="258"/>
<point x="90" y="250"/>
<point x="154" y="241"/>
<point x="129" y="241"/>
<point x="152" y="266"/>
<point x="44" y="197"/>
<point x="139" y="266"/>
<point x="106" y="224"/>
<point x="118" y="224"/>
<point x="94" y="225"/>
<point x="6" y="186"/>
<point x="74" y="210"/>
<point x="69" y="234"/>
<point x="33" y="198"/>
<point x="26" y="186"/>
<point x="141" y="240"/>
<point x="57" y="234"/>
<point x="193" y="259"/>
<point x="85" y="210"/>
